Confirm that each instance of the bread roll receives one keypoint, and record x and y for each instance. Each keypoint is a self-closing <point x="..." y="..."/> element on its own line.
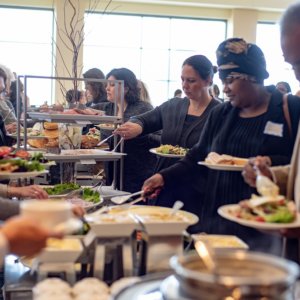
<point x="92" y="285"/>
<point x="37" y="143"/>
<point x="51" y="134"/>
<point x="50" y="125"/>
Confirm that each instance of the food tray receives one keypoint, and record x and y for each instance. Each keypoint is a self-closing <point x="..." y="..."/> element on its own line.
<point x="84" y="155"/>
<point x="221" y="242"/>
<point x="53" y="255"/>
<point x="124" y="226"/>
<point x="76" y="118"/>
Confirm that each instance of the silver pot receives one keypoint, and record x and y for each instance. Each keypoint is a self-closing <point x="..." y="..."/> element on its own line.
<point x="240" y="275"/>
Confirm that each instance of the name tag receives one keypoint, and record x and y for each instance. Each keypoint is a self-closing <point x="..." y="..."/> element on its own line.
<point x="275" y="129"/>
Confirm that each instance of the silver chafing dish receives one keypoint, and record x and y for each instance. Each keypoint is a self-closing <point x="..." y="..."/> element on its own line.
<point x="240" y="275"/>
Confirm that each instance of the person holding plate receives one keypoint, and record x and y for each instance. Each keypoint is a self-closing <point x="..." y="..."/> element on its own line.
<point x="181" y="121"/>
<point x="251" y="123"/>
<point x="286" y="177"/>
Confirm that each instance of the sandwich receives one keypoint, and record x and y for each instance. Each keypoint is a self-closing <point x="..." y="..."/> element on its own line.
<point x="224" y="159"/>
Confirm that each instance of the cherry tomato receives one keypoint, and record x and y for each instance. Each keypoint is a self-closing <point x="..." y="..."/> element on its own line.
<point x="22" y="154"/>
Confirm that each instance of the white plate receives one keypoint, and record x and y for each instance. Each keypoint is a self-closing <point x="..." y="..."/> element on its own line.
<point x="224" y="211"/>
<point x="153" y="150"/>
<point x="221" y="167"/>
<point x="17" y="175"/>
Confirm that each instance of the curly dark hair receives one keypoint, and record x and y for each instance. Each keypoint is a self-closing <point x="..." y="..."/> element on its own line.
<point x="97" y="88"/>
<point x="131" y="85"/>
<point x="73" y="96"/>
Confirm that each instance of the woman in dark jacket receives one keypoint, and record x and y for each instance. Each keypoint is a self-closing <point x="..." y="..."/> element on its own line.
<point x="139" y="163"/>
<point x="252" y="123"/>
<point x="181" y="122"/>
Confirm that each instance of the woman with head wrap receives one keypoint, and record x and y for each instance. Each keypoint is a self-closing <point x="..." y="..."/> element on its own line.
<point x="251" y="123"/>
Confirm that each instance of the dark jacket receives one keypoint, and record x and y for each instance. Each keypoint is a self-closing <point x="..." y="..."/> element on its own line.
<point x="214" y="137"/>
<point x="169" y="117"/>
<point x="139" y="163"/>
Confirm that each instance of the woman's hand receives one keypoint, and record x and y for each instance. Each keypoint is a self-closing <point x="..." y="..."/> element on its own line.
<point x="32" y="191"/>
<point x="261" y="163"/>
<point x="129" y="130"/>
<point x="11" y="128"/>
<point x="153" y="185"/>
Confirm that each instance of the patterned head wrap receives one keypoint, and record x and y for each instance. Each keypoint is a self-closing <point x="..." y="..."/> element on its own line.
<point x="235" y="55"/>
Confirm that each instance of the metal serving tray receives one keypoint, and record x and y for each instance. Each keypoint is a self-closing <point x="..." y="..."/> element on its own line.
<point x="78" y="119"/>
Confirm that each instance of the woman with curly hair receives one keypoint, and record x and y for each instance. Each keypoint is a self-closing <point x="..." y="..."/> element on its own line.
<point x="139" y="163"/>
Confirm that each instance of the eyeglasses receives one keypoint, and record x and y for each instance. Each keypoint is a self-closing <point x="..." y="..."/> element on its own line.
<point x="231" y="78"/>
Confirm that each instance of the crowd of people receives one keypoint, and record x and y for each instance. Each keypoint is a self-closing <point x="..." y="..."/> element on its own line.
<point x="251" y="124"/>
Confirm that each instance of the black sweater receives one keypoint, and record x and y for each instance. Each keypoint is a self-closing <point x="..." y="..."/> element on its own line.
<point x="139" y="163"/>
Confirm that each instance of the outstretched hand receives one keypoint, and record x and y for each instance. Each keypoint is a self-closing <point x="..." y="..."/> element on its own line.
<point x="153" y="185"/>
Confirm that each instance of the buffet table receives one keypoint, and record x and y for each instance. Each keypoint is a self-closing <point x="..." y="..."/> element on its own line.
<point x="19" y="283"/>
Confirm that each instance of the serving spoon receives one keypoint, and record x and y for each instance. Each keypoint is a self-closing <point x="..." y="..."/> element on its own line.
<point x="207" y="254"/>
<point x="264" y="185"/>
<point x="176" y="206"/>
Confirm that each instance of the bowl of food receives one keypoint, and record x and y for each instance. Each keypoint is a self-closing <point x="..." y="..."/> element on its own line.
<point x="239" y="275"/>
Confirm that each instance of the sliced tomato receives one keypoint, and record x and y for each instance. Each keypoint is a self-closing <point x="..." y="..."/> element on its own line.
<point x="4" y="150"/>
<point x="22" y="154"/>
<point x="260" y="219"/>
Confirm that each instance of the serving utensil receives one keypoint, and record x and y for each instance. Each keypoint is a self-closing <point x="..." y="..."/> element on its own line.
<point x="116" y="147"/>
<point x="103" y="141"/>
<point x="207" y="254"/>
<point x="124" y="198"/>
<point x="176" y="206"/>
<point x="129" y="204"/>
<point x="264" y="185"/>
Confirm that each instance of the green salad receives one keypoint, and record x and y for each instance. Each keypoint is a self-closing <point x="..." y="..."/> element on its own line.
<point x="90" y="195"/>
<point x="62" y="188"/>
<point x="23" y="165"/>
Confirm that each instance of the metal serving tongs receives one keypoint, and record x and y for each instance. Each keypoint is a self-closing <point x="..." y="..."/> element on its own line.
<point x="105" y="140"/>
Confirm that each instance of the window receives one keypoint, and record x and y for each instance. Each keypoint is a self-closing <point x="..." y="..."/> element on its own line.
<point x="154" y="48"/>
<point x="278" y="69"/>
<point x="26" y="47"/>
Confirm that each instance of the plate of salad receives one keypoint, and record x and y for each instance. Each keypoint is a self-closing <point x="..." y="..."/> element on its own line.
<point x="15" y="164"/>
<point x="75" y="194"/>
<point x="263" y="213"/>
<point x="169" y="151"/>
